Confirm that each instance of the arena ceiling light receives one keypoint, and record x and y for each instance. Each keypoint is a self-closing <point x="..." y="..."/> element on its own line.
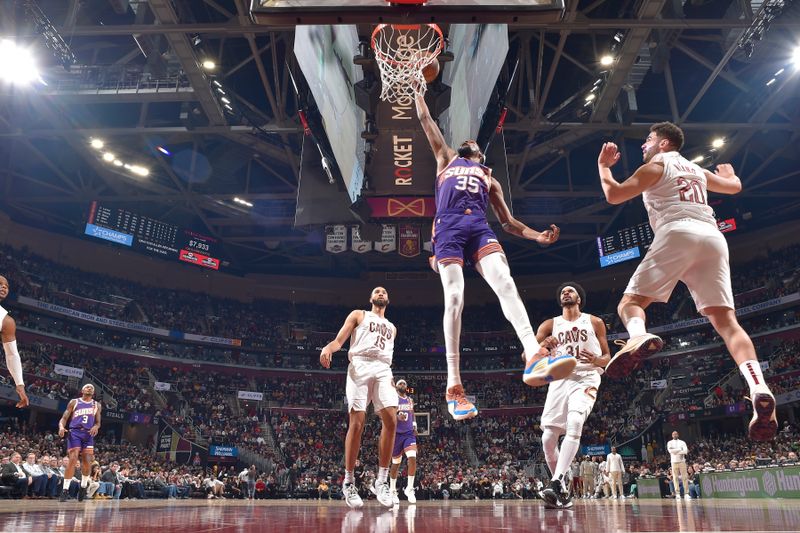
<point x="719" y="142"/>
<point x="209" y="64"/>
<point x="17" y="64"/>
<point x="108" y="156"/>
<point x="698" y="159"/>
<point x="242" y="202"/>
<point x="796" y="56"/>
<point x="97" y="144"/>
<point x="606" y="60"/>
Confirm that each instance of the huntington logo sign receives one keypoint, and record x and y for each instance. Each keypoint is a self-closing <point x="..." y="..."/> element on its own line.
<point x="770" y="483"/>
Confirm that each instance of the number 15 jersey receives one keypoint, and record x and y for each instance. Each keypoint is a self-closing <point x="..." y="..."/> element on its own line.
<point x="680" y="194"/>
<point x="373" y="339"/>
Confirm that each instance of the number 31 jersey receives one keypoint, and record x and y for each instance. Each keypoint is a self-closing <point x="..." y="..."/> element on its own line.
<point x="575" y="336"/>
<point x="373" y="339"/>
<point x="463" y="185"/>
<point x="680" y="194"/>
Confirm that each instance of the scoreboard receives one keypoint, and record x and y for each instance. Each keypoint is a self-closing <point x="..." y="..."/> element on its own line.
<point x="152" y="236"/>
<point x="625" y="239"/>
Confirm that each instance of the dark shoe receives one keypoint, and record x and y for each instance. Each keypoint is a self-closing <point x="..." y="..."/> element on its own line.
<point x="64" y="496"/>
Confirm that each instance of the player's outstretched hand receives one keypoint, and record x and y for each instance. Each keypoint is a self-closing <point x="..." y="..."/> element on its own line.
<point x="93" y="431"/>
<point x="725" y="170"/>
<point x="23" y="398"/>
<point x="609" y="155"/>
<point x="325" y="357"/>
<point x="551" y="343"/>
<point x="549" y="236"/>
<point x="61" y="431"/>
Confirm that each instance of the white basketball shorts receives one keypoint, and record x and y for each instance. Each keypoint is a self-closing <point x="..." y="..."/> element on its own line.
<point x="370" y="381"/>
<point x="688" y="251"/>
<point x="576" y="393"/>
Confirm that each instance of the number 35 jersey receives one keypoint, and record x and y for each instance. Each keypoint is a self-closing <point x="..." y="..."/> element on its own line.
<point x="373" y="339"/>
<point x="463" y="188"/>
<point x="680" y="194"/>
<point x="575" y="336"/>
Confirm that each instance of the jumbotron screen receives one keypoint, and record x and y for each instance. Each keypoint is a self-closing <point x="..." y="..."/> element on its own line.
<point x="151" y="236"/>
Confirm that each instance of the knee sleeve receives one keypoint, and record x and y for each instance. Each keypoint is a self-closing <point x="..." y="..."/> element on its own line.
<point x="550" y="445"/>
<point x="575" y="422"/>
<point x="411" y="453"/>
<point x="397" y="460"/>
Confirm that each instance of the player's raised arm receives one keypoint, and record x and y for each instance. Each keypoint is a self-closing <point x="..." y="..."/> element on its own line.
<point x="62" y="424"/>
<point x="724" y="181"/>
<point x="443" y="153"/>
<point x="352" y="321"/>
<point x="512" y="225"/>
<point x="616" y="192"/>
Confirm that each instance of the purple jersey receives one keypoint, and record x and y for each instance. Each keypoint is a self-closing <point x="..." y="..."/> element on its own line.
<point x="405" y="416"/>
<point x="463" y="188"/>
<point x="83" y="415"/>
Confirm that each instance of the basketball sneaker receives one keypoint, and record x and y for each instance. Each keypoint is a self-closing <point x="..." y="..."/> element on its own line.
<point x="764" y="424"/>
<point x="543" y="368"/>
<point x="630" y="356"/>
<point x="351" y="497"/>
<point x="64" y="496"/>
<point x="410" y="494"/>
<point x="81" y="494"/>
<point x="395" y="497"/>
<point x="384" y="494"/>
<point x="457" y="404"/>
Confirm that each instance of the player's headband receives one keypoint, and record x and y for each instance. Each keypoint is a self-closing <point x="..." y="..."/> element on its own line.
<point x="88" y="385"/>
<point x="570" y="287"/>
<point x="401" y="381"/>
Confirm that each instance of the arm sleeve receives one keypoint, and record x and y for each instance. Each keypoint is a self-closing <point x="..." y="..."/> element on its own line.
<point x="13" y="362"/>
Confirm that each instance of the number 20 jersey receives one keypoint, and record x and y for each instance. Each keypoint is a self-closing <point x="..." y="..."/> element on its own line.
<point x="680" y="194"/>
<point x="575" y="336"/>
<point x="463" y="186"/>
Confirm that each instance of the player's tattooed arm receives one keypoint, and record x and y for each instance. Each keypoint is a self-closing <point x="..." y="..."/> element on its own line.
<point x="96" y="427"/>
<point x="600" y="332"/>
<point x="443" y="153"/>
<point x="353" y="320"/>
<point x="62" y="424"/>
<point x="512" y="225"/>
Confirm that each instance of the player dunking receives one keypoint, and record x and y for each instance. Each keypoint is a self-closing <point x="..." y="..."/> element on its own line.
<point x="369" y="379"/>
<point x="83" y="416"/>
<point x="405" y="442"/>
<point x="464" y="190"/>
<point x="687" y="247"/>
<point x="570" y="400"/>
<point x="8" y="332"/>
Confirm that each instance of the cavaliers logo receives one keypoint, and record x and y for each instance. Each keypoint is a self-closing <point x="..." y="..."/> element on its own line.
<point x="396" y="208"/>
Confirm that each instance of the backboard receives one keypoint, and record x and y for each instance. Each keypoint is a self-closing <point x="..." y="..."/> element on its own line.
<point x="303" y="12"/>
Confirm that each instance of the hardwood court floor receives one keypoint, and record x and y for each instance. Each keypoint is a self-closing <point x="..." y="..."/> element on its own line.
<point x="430" y="516"/>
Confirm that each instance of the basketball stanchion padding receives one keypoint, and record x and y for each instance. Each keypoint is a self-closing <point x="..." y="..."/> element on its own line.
<point x="403" y="52"/>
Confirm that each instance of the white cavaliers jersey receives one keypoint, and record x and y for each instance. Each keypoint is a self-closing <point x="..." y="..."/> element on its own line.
<point x="373" y="339"/>
<point x="680" y="194"/>
<point x="3" y="314"/>
<point x="576" y="336"/>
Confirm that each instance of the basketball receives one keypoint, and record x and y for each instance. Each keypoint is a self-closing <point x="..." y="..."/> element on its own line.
<point x="431" y="72"/>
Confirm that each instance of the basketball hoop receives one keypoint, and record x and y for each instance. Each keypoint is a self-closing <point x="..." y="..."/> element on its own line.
<point x="402" y="52"/>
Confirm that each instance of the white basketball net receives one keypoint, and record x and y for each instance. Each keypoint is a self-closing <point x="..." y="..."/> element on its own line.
<point x="402" y="53"/>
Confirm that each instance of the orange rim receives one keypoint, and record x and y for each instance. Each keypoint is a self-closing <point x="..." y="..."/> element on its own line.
<point x="405" y="27"/>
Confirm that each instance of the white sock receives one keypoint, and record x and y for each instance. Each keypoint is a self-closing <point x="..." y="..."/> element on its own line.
<point x="453" y="369"/>
<point x="453" y="285"/>
<point x="393" y="483"/>
<point x="349" y="477"/>
<point x="410" y="482"/>
<point x="383" y="474"/>
<point x="751" y="370"/>
<point x="67" y="483"/>
<point x="569" y="447"/>
<point x="550" y="448"/>
<point x="84" y="481"/>
<point x="530" y="345"/>
<point x="635" y="327"/>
